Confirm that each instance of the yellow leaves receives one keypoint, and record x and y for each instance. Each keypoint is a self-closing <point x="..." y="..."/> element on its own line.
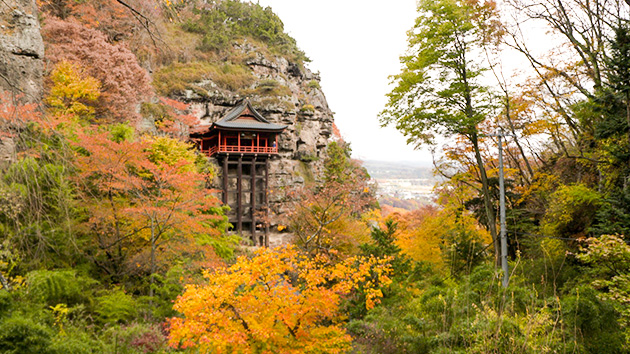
<point x="427" y="235"/>
<point x="60" y="312"/>
<point x="277" y="301"/>
<point x="542" y="186"/>
<point x="171" y="152"/>
<point x="281" y="227"/>
<point x="373" y="297"/>
<point x="72" y="91"/>
<point x="420" y="235"/>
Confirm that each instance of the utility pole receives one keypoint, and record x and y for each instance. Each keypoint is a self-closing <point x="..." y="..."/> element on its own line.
<point x="504" y="262"/>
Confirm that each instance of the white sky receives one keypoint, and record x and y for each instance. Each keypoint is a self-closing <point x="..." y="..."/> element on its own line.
<point x="355" y="45"/>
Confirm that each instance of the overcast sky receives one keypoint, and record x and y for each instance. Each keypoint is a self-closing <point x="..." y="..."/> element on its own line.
<point x="355" y="45"/>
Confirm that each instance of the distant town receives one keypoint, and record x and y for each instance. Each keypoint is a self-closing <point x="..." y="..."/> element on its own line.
<point x="402" y="185"/>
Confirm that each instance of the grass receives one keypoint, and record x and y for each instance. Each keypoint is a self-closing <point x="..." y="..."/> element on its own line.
<point x="178" y="77"/>
<point x="267" y="88"/>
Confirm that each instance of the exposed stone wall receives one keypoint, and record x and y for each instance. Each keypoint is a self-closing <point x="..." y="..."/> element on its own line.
<point x="303" y="108"/>
<point x="21" y="57"/>
<point x="305" y="111"/>
<point x="21" y="49"/>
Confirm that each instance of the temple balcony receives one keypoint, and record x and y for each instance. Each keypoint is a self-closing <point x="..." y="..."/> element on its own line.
<point x="217" y="149"/>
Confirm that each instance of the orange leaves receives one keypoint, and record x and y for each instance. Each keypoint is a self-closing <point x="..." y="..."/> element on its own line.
<point x="109" y="163"/>
<point x="436" y="236"/>
<point x="162" y="189"/>
<point x="142" y="190"/>
<point x="177" y="122"/>
<point x="14" y="115"/>
<point x="277" y="302"/>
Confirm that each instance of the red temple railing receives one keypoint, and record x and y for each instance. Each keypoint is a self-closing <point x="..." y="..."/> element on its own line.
<point x="242" y="149"/>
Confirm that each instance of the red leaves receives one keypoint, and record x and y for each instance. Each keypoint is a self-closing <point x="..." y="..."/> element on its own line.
<point x="133" y="197"/>
<point x="124" y="82"/>
<point x="14" y="115"/>
<point x="177" y="124"/>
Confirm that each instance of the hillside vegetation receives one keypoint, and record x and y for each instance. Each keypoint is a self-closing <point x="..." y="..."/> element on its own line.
<point x="112" y="241"/>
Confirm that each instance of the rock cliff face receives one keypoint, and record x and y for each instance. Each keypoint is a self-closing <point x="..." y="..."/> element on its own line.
<point x="21" y="53"/>
<point x="284" y="92"/>
<point x="21" y="49"/>
<point x="302" y="107"/>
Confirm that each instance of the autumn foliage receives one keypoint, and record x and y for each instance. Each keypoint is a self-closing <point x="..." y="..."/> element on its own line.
<point x="124" y="84"/>
<point x="140" y="194"/>
<point x="279" y="301"/>
<point x="326" y="215"/>
<point x="15" y="115"/>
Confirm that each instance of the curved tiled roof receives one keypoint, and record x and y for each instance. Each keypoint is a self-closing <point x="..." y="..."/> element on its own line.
<point x="254" y="121"/>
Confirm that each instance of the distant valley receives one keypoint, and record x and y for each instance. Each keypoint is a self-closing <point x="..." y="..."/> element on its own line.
<point x="405" y="185"/>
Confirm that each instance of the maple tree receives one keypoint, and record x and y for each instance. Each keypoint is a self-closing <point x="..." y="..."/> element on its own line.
<point x="72" y="91"/>
<point x="174" y="119"/>
<point x="124" y="84"/>
<point x="137" y="196"/>
<point x="279" y="301"/>
<point x="15" y="115"/>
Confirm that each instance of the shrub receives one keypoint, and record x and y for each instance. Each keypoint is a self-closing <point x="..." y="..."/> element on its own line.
<point x="124" y="83"/>
<point x="271" y="87"/>
<point x="19" y="335"/>
<point x="6" y="302"/>
<point x="58" y="286"/>
<point x="313" y="84"/>
<point x="593" y="321"/>
<point x="571" y="211"/>
<point x="75" y="342"/>
<point x="137" y="338"/>
<point x="116" y="307"/>
<point x="307" y="108"/>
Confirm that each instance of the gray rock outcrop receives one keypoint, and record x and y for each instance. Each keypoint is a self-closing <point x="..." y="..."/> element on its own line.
<point x="303" y="108"/>
<point x="21" y="58"/>
<point x="21" y="49"/>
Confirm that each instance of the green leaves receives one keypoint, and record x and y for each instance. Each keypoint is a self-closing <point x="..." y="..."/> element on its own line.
<point x="437" y="92"/>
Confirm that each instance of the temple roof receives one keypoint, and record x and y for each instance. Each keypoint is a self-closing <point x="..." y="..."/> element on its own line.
<point x="245" y="117"/>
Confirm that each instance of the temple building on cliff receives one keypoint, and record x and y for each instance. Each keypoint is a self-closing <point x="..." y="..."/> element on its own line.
<point x="242" y="142"/>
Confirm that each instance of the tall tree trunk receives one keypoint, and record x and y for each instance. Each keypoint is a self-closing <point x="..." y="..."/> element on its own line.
<point x="625" y="182"/>
<point x="152" y="265"/>
<point x="628" y="112"/>
<point x="487" y="201"/>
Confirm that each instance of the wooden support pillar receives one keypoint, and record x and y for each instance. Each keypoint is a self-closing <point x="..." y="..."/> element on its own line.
<point x="226" y="177"/>
<point x="252" y="204"/>
<point x="220" y="140"/>
<point x="266" y="202"/>
<point x="239" y="195"/>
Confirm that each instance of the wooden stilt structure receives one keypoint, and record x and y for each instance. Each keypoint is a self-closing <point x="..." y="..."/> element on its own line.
<point x="243" y="142"/>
